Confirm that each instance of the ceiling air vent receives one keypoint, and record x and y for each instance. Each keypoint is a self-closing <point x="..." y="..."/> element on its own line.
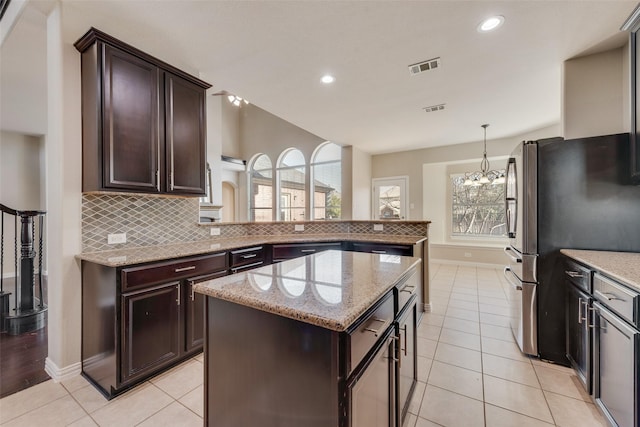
<point x="434" y="108"/>
<point x="421" y="67"/>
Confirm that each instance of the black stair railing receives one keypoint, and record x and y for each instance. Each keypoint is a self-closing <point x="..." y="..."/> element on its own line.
<point x="26" y="315"/>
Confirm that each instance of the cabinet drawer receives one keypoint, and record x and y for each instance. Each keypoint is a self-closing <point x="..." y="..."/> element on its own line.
<point x="137" y="277"/>
<point x="578" y="275"/>
<point x="617" y="297"/>
<point x="406" y="289"/>
<point x="367" y="333"/>
<point x="247" y="256"/>
<point x="382" y="248"/>
<point x="282" y="252"/>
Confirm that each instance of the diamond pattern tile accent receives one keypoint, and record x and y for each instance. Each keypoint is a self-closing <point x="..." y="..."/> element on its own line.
<point x="150" y="220"/>
<point x="147" y="220"/>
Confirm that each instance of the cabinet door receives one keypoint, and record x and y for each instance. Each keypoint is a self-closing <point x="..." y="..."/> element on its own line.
<point x="131" y="127"/>
<point x="407" y="360"/>
<point x="578" y="339"/>
<point x="150" y="330"/>
<point x="616" y="373"/>
<point x="185" y="136"/>
<point x="372" y="392"/>
<point x="194" y="313"/>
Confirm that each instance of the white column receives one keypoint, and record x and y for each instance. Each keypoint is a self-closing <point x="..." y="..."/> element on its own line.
<point x="63" y="147"/>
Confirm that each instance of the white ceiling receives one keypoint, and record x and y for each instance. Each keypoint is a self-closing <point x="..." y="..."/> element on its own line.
<point x="273" y="53"/>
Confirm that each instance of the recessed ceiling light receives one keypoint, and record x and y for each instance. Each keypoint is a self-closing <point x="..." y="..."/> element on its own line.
<point x="491" y="23"/>
<point x="327" y="78"/>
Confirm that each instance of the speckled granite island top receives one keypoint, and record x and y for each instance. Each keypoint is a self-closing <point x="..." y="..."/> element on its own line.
<point x="122" y="257"/>
<point x="330" y="289"/>
<point x="623" y="266"/>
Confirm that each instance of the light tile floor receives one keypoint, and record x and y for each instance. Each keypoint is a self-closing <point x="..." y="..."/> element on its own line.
<point x="470" y="370"/>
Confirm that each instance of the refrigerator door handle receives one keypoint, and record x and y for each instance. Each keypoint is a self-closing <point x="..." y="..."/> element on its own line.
<point x="513" y="258"/>
<point x="517" y="285"/>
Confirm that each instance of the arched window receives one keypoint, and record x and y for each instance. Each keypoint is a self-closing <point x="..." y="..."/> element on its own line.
<point x="292" y="194"/>
<point x="326" y="181"/>
<point x="261" y="189"/>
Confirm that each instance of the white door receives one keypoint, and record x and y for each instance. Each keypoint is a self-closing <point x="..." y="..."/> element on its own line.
<point x="390" y="198"/>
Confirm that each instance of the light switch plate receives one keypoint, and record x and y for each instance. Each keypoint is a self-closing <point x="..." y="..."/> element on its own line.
<point x="215" y="231"/>
<point x="298" y="227"/>
<point x="113" y="239"/>
<point x="378" y="227"/>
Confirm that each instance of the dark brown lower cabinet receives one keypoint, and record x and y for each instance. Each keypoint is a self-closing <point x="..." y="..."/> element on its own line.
<point x="407" y="356"/>
<point x="194" y="313"/>
<point x="139" y="320"/>
<point x="151" y="329"/>
<point x="283" y="252"/>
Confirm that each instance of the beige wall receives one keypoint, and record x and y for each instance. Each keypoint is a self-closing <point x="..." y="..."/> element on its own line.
<point x="230" y="128"/>
<point x="64" y="199"/>
<point x="411" y="163"/>
<point x="594" y="94"/>
<point x="356" y="183"/>
<point x="21" y="183"/>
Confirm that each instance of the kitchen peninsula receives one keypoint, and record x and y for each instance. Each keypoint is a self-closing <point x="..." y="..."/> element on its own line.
<point x="312" y="341"/>
<point x="140" y="314"/>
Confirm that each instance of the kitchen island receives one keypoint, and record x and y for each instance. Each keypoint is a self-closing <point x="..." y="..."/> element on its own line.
<point x="323" y="340"/>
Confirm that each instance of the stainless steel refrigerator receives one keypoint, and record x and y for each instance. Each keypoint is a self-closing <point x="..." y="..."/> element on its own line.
<point x="562" y="194"/>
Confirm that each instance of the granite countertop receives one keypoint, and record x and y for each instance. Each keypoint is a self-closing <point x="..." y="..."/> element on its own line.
<point x="622" y="266"/>
<point x="330" y="289"/>
<point x="131" y="256"/>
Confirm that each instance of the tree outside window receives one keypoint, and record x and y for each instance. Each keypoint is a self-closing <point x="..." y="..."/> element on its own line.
<point x="477" y="210"/>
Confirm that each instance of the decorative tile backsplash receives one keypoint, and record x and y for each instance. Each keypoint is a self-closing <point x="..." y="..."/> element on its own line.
<point x="151" y="220"/>
<point x="147" y="220"/>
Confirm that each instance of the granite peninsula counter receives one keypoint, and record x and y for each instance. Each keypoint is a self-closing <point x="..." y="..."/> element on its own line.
<point x="301" y="342"/>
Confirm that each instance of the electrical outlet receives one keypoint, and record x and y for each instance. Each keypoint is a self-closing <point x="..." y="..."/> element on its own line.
<point x="113" y="239"/>
<point x="215" y="231"/>
<point x="298" y="227"/>
<point x="378" y="227"/>
<point x="467" y="254"/>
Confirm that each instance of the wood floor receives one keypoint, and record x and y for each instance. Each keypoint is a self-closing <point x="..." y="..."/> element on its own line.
<point x="22" y="361"/>
<point x="22" y="356"/>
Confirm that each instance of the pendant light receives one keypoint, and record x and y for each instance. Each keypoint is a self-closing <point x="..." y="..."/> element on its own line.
<point x="485" y="175"/>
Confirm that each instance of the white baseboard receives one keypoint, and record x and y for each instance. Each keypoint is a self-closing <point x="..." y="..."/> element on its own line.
<point x="467" y="263"/>
<point x="61" y="374"/>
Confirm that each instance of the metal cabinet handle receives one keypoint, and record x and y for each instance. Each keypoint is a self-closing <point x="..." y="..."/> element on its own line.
<point x="178" y="300"/>
<point x="158" y="179"/>
<point x="192" y="293"/>
<point x="405" y="340"/>
<point x="376" y="331"/>
<point x="574" y="274"/>
<point x="408" y="289"/>
<point x="377" y="251"/>
<point x="609" y="296"/>
<point x="179" y="270"/>
<point x="593" y="316"/>
<point x="249" y="256"/>
<point x="580" y="310"/>
<point x="307" y="250"/>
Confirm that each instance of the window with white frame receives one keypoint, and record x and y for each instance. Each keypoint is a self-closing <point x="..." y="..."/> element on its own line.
<point x="326" y="181"/>
<point x="261" y="189"/>
<point x="292" y="191"/>
<point x="477" y="210"/>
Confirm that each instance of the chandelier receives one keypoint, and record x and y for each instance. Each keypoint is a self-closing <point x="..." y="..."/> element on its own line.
<point x="484" y="175"/>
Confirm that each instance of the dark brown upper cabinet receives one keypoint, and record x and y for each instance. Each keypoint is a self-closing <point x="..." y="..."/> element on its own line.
<point x="632" y="24"/>
<point x="143" y="121"/>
